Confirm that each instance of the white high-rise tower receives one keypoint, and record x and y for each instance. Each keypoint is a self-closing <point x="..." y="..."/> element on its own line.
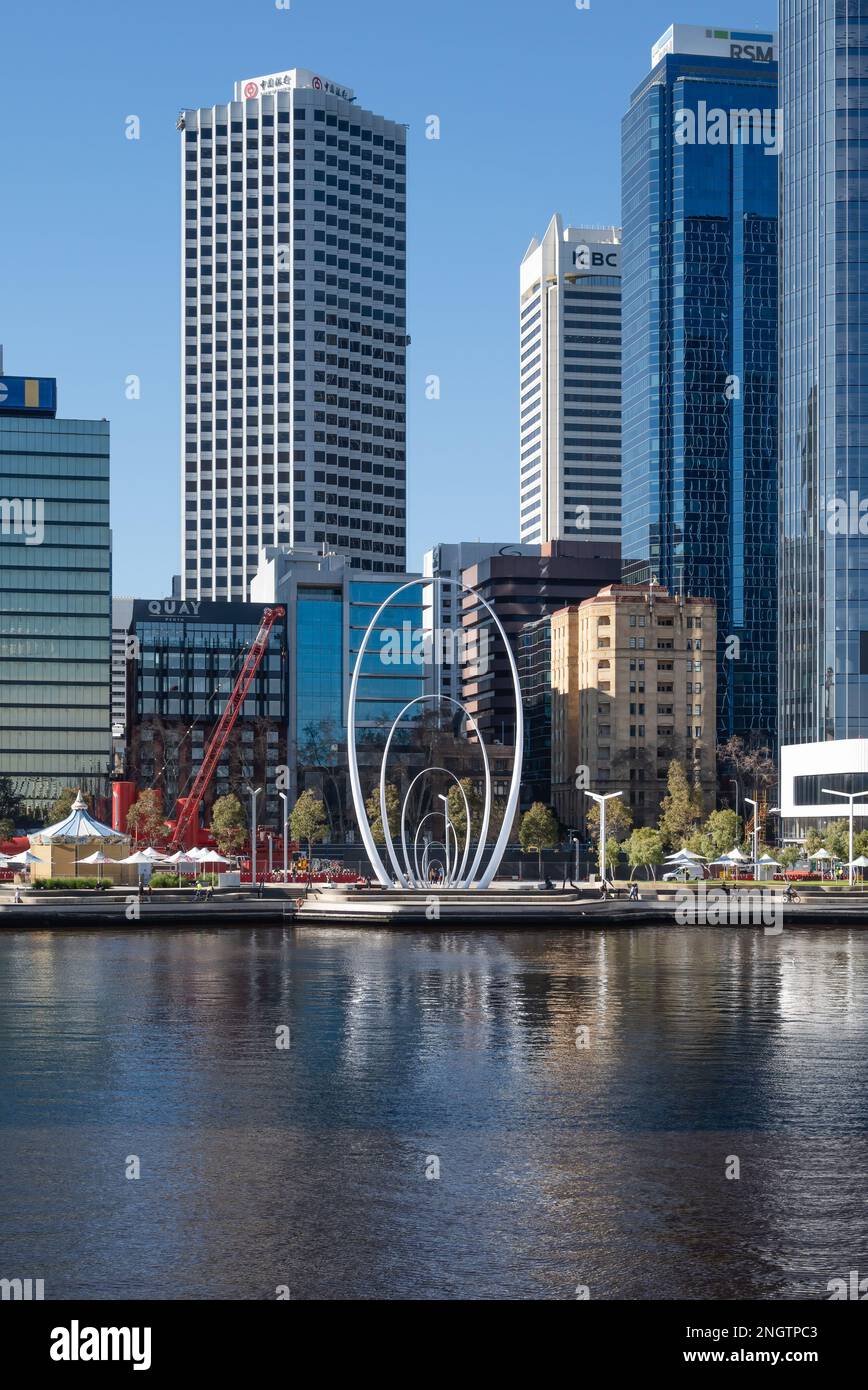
<point x="570" y="396"/>
<point x="294" y="331"/>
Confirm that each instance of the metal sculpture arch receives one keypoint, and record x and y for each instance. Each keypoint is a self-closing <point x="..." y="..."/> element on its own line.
<point x="458" y="878"/>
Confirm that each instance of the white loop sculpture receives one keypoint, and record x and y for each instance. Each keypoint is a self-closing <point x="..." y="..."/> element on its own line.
<point x="426" y="771"/>
<point x="455" y="874"/>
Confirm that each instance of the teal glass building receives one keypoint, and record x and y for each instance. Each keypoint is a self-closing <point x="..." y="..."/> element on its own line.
<point x="55" y="596"/>
<point x="700" y="344"/>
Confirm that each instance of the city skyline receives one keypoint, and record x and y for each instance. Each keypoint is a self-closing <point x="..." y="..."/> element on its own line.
<point x="132" y="315"/>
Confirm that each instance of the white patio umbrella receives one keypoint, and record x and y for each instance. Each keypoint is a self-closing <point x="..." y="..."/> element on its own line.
<point x="212" y="857"/>
<point x="735" y="856"/>
<point x="180" y="857"/>
<point x="137" y="858"/>
<point x="684" y="854"/>
<point x="25" y="859"/>
<point x="861" y="863"/>
<point x="767" y="859"/>
<point x="97" y="858"/>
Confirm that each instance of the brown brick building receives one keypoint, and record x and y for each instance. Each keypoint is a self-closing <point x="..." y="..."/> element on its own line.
<point x="633" y="686"/>
<point x="521" y="589"/>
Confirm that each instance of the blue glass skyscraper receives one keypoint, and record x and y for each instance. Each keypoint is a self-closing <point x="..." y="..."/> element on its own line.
<point x="823" y="668"/>
<point x="824" y="371"/>
<point x="700" y="343"/>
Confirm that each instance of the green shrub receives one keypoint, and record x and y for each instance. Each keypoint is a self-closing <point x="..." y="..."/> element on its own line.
<point x="167" y="880"/>
<point x="42" y="883"/>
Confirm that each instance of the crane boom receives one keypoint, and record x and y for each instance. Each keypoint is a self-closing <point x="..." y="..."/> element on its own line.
<point x="188" y="814"/>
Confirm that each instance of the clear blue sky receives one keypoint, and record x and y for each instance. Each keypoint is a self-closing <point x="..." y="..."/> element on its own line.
<point x="530" y="98"/>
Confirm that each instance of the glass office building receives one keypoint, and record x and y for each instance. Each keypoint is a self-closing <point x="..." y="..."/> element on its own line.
<point x="55" y="596"/>
<point x="824" y="372"/>
<point x="699" y="313"/>
<point x="186" y="659"/>
<point x="329" y="606"/>
<point x="823" y="669"/>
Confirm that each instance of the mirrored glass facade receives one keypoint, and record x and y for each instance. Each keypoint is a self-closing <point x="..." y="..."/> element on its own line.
<point x="55" y="603"/>
<point x="699" y="312"/>
<point x="824" y="371"/>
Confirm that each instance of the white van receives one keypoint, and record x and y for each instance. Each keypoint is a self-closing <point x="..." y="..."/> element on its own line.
<point x="685" y="873"/>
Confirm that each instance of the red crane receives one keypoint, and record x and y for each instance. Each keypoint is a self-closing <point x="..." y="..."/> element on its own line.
<point x="189" y="806"/>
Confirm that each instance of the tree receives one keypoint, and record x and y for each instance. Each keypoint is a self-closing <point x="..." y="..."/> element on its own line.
<point x="145" y="818"/>
<point x="228" y="824"/>
<point x="539" y="830"/>
<point x="720" y="833"/>
<point x="753" y="767"/>
<point x="393" y="813"/>
<point x="788" y="856"/>
<point x="679" y="810"/>
<point x="63" y="805"/>
<point x="308" y="822"/>
<point x="837" y="839"/>
<point x="619" y="819"/>
<point x="10" y="809"/>
<point x="813" y="841"/>
<point x="645" y="846"/>
<point x="321" y="750"/>
<point x="457" y="814"/>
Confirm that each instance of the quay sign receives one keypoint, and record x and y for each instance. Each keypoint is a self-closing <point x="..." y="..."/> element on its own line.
<point x="173" y="608"/>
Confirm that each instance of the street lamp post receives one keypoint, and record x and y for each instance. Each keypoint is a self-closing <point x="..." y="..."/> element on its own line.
<point x="449" y="826"/>
<point x="851" y="797"/>
<point x="254" y="792"/>
<point x="734" y="782"/>
<point x="601" y="798"/>
<point x="284" y="798"/>
<point x="749" y="801"/>
<point x="574" y="836"/>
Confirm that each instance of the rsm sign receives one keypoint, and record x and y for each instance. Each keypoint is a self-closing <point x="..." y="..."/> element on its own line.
<point x="757" y="52"/>
<point x="745" y="45"/>
<point x="600" y="259"/>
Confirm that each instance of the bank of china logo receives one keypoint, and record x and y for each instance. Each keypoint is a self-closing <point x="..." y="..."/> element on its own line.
<point x="582" y="257"/>
<point x="251" y="89"/>
<point x="317" y="84"/>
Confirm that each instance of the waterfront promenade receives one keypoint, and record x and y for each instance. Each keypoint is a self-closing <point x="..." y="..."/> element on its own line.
<point x="503" y="905"/>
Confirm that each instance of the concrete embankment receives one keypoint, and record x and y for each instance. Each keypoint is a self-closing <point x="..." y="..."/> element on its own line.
<point x="512" y="906"/>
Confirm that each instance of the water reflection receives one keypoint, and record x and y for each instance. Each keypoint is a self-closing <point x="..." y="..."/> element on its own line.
<point x="558" y="1165"/>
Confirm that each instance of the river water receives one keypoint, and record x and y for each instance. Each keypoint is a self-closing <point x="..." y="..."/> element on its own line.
<point x="371" y="1114"/>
